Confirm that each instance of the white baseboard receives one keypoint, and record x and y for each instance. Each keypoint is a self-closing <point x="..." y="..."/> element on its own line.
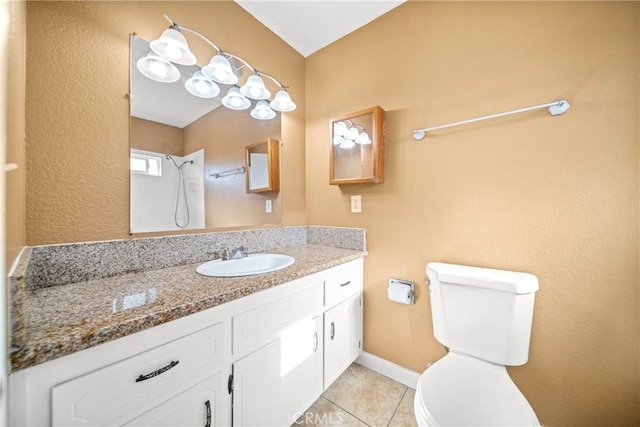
<point x="389" y="369"/>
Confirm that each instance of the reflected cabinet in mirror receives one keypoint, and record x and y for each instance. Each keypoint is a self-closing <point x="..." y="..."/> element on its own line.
<point x="357" y="148"/>
<point x="262" y="161"/>
<point x="187" y="159"/>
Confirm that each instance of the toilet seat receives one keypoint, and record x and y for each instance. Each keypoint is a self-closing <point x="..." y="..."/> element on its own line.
<point x="460" y="390"/>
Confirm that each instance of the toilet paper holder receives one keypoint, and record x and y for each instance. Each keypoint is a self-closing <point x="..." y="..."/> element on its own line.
<point x="402" y="291"/>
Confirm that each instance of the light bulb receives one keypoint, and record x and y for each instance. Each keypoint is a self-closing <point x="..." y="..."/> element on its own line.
<point x="347" y="143"/>
<point x="353" y="134"/>
<point x="172" y="52"/>
<point x="158" y="68"/>
<point x="262" y="111"/>
<point x="254" y="91"/>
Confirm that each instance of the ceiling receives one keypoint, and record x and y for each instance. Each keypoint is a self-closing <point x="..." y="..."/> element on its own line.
<point x="310" y="25"/>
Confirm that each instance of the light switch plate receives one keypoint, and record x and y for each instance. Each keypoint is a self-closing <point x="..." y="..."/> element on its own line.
<point x="268" y="206"/>
<point x="356" y="204"/>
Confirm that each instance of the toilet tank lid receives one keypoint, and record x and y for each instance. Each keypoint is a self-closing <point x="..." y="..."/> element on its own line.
<point x="489" y="278"/>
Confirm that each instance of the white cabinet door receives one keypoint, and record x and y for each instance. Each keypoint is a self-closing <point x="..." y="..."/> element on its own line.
<point x="203" y="405"/>
<point x="342" y="337"/>
<point x="120" y="391"/>
<point x="274" y="384"/>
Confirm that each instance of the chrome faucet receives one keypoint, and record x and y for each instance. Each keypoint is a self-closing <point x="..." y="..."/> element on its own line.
<point x="226" y="254"/>
<point x="239" y="252"/>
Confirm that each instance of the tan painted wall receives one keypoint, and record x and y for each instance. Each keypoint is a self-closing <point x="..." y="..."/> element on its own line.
<point x="77" y="114"/>
<point x="15" y="180"/>
<point x="156" y="137"/>
<point x="557" y="197"/>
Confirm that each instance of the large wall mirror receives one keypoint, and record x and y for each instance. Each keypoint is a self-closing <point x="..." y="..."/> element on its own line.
<point x="188" y="157"/>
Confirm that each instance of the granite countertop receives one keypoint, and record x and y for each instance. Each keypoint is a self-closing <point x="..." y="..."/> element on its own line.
<point x="60" y="320"/>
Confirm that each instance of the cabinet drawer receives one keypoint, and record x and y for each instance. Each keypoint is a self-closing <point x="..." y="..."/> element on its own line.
<point x="136" y="384"/>
<point x="342" y="282"/>
<point x="262" y="324"/>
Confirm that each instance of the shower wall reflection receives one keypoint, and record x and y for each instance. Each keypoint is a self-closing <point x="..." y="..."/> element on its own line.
<point x="167" y="191"/>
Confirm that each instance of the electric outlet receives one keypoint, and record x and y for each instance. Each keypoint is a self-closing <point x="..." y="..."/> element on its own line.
<point x="268" y="206"/>
<point x="356" y="204"/>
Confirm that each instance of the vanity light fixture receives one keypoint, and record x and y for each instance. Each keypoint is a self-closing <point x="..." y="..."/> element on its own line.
<point x="172" y="48"/>
<point x="347" y="137"/>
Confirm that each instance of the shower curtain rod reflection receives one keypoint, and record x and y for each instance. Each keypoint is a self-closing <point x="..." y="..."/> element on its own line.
<point x="554" y="108"/>
<point x="228" y="172"/>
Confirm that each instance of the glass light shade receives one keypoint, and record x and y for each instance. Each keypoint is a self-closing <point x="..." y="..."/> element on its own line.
<point x="254" y="88"/>
<point x="352" y="133"/>
<point x="282" y="102"/>
<point x="364" y="139"/>
<point x="173" y="47"/>
<point x="340" y="129"/>
<point x="219" y="69"/>
<point x="262" y="111"/>
<point x="337" y="140"/>
<point x="156" y="68"/>
<point x="235" y="100"/>
<point x="202" y="87"/>
<point x="347" y="143"/>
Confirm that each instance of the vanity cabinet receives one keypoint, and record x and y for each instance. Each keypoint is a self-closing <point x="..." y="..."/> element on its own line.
<point x="149" y="386"/>
<point x="342" y="320"/>
<point x="262" y="359"/>
<point x="281" y="379"/>
<point x="342" y="337"/>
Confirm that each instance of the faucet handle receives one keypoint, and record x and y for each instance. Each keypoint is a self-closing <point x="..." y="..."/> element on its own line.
<point x="223" y="254"/>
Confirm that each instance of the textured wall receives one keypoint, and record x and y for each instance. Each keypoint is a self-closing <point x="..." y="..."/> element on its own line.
<point x="157" y="137"/>
<point x="77" y="114"/>
<point x="554" y="196"/>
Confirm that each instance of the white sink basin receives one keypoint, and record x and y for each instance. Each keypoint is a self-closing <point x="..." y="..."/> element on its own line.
<point x="248" y="266"/>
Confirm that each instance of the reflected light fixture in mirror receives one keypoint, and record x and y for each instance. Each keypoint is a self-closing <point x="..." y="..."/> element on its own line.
<point x="357" y="148"/>
<point x="172" y="47"/>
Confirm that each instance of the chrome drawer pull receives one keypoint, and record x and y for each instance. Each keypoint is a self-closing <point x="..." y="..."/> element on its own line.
<point x="207" y="407"/>
<point x="315" y="336"/>
<point x="345" y="283"/>
<point x="333" y="330"/>
<point x="158" y="372"/>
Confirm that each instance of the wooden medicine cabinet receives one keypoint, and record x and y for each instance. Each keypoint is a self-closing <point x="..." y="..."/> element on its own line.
<point x="262" y="160"/>
<point x="357" y="148"/>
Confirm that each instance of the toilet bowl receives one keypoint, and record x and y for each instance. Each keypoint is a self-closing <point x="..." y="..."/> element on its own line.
<point x="484" y="317"/>
<point x="460" y="390"/>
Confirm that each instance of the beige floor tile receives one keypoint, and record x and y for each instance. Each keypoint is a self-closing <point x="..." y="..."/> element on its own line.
<point x="404" y="416"/>
<point x="324" y="413"/>
<point x="366" y="394"/>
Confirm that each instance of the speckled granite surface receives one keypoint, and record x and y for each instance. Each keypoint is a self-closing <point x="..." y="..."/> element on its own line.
<point x="53" y="321"/>
<point x="61" y="264"/>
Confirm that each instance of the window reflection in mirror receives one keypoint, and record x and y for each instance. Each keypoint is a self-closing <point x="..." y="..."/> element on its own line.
<point x="357" y="148"/>
<point x="183" y="143"/>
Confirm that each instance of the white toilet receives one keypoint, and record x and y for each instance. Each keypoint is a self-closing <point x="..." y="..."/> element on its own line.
<point x="484" y="316"/>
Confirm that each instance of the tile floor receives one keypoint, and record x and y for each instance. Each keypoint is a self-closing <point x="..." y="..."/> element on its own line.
<point x="362" y="397"/>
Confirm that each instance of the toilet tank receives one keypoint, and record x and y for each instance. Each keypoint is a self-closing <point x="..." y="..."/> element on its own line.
<point x="483" y="312"/>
